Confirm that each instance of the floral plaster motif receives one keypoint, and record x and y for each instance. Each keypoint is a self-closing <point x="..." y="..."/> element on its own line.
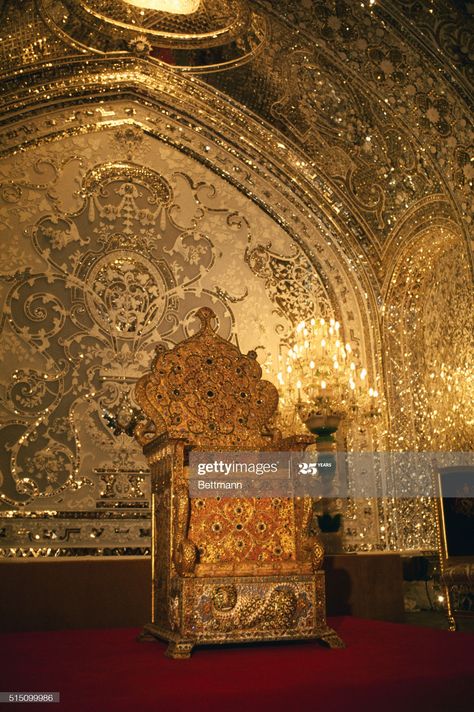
<point x="112" y="259"/>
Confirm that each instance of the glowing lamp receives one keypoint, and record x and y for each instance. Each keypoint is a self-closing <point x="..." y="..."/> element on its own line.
<point x="176" y="7"/>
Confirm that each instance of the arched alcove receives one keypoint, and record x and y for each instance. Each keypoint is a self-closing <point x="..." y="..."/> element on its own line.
<point x="427" y="333"/>
<point x="95" y="209"/>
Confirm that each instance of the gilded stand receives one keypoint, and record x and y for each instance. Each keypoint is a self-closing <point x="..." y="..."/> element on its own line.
<point x="224" y="570"/>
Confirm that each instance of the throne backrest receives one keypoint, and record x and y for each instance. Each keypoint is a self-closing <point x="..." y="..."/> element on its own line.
<point x="205" y="394"/>
<point x="207" y="391"/>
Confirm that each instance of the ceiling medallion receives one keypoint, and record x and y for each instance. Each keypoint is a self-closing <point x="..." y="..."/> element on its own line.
<point x="190" y="35"/>
<point x="178" y="7"/>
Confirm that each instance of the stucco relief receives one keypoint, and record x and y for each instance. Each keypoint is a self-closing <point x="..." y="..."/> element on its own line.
<point x="105" y="257"/>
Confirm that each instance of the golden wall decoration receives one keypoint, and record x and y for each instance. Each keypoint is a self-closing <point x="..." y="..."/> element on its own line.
<point x="116" y="260"/>
<point x="345" y="131"/>
<point x="432" y="383"/>
<point x="219" y="35"/>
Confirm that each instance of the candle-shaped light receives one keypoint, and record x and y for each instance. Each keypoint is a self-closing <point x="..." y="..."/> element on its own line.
<point x="298" y="390"/>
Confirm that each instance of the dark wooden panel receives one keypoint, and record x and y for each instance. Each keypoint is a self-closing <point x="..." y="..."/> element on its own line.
<point x="365" y="585"/>
<point x="74" y="593"/>
<point x="109" y="593"/>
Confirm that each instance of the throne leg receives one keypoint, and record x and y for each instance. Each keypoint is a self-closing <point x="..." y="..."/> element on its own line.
<point x="330" y="639"/>
<point x="452" y="623"/>
<point x="179" y="649"/>
<point x="146" y="635"/>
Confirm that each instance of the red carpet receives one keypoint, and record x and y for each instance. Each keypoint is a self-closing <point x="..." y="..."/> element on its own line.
<point x="386" y="667"/>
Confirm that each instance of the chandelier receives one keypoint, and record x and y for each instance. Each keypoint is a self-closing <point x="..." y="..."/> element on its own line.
<point x="176" y="7"/>
<point x="320" y="379"/>
<point x="321" y="382"/>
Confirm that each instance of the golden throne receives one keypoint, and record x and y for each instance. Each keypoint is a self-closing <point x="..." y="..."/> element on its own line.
<point x="224" y="570"/>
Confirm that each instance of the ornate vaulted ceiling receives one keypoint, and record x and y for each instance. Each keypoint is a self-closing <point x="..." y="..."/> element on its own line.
<point x="376" y="95"/>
